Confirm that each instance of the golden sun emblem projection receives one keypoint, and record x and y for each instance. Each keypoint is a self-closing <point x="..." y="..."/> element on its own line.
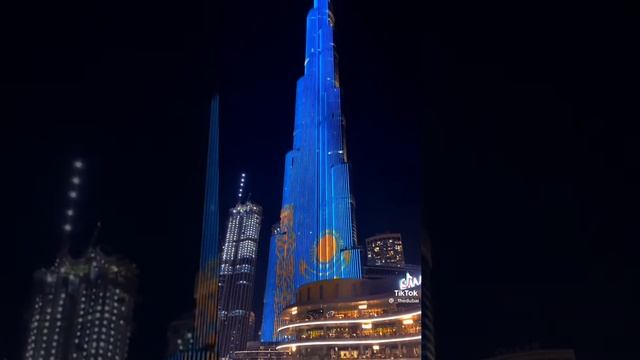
<point x="326" y="248"/>
<point x="327" y="257"/>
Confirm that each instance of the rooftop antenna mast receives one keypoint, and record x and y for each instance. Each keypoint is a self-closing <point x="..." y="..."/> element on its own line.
<point x="70" y="212"/>
<point x="95" y="234"/>
<point x="242" y="179"/>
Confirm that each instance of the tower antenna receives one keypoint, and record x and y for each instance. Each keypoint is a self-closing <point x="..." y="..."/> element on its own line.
<point x="70" y="212"/>
<point x="241" y="189"/>
<point x="95" y="234"/>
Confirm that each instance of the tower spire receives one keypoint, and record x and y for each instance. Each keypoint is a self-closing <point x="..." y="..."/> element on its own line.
<point x="70" y="212"/>
<point x="241" y="188"/>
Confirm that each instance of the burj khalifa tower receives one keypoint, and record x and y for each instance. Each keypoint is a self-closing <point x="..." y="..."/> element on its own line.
<point x="316" y="236"/>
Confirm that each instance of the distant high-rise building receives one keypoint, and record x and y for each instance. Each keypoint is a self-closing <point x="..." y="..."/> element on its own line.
<point x="385" y="250"/>
<point x="385" y="258"/>
<point x="82" y="309"/>
<point x="237" y="273"/>
<point x="317" y="239"/>
<point x="181" y="335"/>
<point x="203" y="330"/>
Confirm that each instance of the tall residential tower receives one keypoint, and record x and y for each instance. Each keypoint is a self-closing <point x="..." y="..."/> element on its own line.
<point x="317" y="232"/>
<point x="237" y="273"/>
<point x="82" y="309"/>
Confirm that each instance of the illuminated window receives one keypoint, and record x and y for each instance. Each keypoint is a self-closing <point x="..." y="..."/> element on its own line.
<point x="247" y="249"/>
<point x="226" y="269"/>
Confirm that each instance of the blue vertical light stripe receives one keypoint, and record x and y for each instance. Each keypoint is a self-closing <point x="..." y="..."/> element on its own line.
<point x="268" y="330"/>
<point x="206" y="293"/>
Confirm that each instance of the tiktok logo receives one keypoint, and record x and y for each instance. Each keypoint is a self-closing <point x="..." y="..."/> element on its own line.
<point x="410" y="282"/>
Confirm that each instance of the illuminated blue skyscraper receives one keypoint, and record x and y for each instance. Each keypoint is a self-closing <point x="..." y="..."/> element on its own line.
<point x="316" y="237"/>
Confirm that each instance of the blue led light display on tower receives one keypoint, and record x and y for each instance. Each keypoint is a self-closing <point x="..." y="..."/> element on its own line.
<point x="194" y="336"/>
<point x="317" y="237"/>
<point x="206" y="292"/>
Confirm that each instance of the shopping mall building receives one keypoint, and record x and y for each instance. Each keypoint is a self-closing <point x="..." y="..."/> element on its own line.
<point x="353" y="319"/>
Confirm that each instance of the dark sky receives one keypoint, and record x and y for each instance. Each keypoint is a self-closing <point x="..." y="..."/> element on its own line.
<point x="497" y="123"/>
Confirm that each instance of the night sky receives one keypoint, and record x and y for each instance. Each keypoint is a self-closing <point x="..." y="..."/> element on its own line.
<point x="493" y="127"/>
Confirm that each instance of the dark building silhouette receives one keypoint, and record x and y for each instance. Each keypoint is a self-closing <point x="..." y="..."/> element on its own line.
<point x="428" y="330"/>
<point x="537" y="354"/>
<point x="379" y="272"/>
<point x="82" y="309"/>
<point x="181" y="334"/>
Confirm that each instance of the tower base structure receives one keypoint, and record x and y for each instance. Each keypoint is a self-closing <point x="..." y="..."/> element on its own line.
<point x="353" y="318"/>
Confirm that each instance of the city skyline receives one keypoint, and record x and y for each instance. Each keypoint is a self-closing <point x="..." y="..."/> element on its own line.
<point x="519" y="169"/>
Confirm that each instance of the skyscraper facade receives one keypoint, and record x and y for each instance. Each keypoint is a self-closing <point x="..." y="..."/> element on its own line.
<point x="237" y="274"/>
<point x="385" y="250"/>
<point x="82" y="309"/>
<point x="317" y="238"/>
<point x="428" y="330"/>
